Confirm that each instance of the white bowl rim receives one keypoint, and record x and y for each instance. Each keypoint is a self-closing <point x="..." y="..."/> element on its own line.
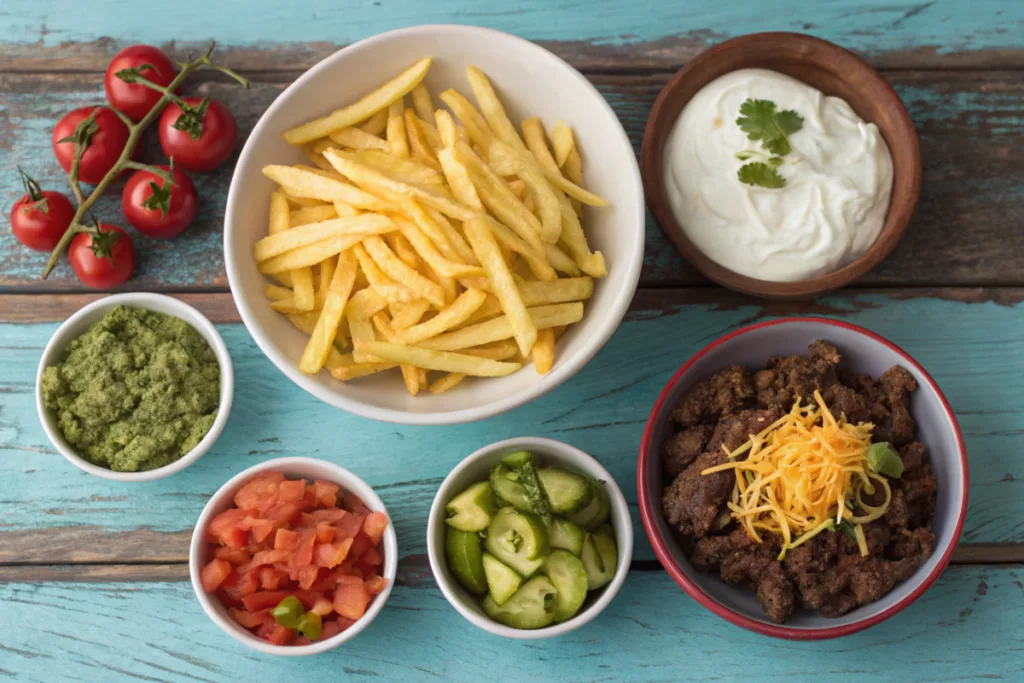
<point x="561" y="372"/>
<point x="140" y="300"/>
<point x="919" y="582"/>
<point x="550" y="449"/>
<point x="348" y="481"/>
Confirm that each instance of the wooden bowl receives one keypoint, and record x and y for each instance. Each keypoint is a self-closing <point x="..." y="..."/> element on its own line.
<point x="822" y="65"/>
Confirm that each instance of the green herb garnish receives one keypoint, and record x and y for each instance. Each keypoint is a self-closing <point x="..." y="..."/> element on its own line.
<point x="847" y="529"/>
<point x="761" y="121"/>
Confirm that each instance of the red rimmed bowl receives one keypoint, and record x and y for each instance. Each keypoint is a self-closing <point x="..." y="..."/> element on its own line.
<point x="864" y="352"/>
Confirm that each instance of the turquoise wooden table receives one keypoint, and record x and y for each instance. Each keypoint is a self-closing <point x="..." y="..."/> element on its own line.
<point x="93" y="575"/>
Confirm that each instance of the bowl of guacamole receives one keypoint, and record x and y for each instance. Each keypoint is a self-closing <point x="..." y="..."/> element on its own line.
<point x="134" y="387"/>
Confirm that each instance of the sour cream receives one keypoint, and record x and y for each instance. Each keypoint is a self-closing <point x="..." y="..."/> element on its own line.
<point x="838" y="180"/>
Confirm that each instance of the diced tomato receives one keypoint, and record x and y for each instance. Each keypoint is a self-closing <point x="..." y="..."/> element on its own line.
<point x="307" y="576"/>
<point x="268" y="502"/>
<point x="270" y="599"/>
<point x="326" y="492"/>
<point x="347" y="527"/>
<point x="257" y="489"/>
<point x="354" y="504"/>
<point x="324" y="532"/>
<point x="374" y="526"/>
<point x="331" y="554"/>
<point x="259" y="528"/>
<point x="309" y="499"/>
<point x="327" y="515"/>
<point x="265" y="557"/>
<point x="282" y="513"/>
<point x="250" y="619"/>
<point x="276" y="633"/>
<point x="366" y="568"/>
<point x="331" y="629"/>
<point x="286" y="539"/>
<point x="291" y="491"/>
<point x="301" y="640"/>
<point x="270" y="578"/>
<point x="360" y="544"/>
<point x="357" y="570"/>
<point x="351" y="598"/>
<point x="323" y="607"/>
<point x="229" y="601"/>
<point x="214" y="573"/>
<point x="224" y="523"/>
<point x="303" y="553"/>
<point x="240" y="585"/>
<point x="235" y="556"/>
<point x="375" y="584"/>
<point x="373" y="556"/>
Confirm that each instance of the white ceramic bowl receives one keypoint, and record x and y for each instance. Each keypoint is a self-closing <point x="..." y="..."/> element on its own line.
<point x="476" y="468"/>
<point x="78" y="323"/>
<point x="293" y="468"/>
<point x="531" y="82"/>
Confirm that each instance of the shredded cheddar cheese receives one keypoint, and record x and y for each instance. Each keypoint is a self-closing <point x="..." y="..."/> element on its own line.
<point x="801" y="475"/>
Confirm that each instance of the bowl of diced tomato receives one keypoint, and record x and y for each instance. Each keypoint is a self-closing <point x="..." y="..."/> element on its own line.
<point x="294" y="556"/>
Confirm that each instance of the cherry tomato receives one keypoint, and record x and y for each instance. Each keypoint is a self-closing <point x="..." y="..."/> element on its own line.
<point x="135" y="99"/>
<point x="107" y="140"/>
<point x="104" y="260"/>
<point x="155" y="209"/>
<point x="200" y="138"/>
<point x="40" y="217"/>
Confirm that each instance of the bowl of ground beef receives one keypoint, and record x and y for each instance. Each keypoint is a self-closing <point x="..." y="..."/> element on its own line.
<point x="776" y="405"/>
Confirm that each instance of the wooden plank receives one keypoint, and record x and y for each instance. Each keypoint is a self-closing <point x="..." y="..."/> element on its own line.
<point x="57" y="514"/>
<point x="959" y="236"/>
<point x="966" y="626"/>
<point x="598" y="35"/>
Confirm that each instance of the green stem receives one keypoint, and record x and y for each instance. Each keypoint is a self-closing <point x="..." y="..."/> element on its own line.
<point x="124" y="161"/>
<point x="150" y="168"/>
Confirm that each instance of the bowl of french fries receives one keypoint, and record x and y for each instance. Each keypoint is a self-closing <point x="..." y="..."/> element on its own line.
<point x="435" y="225"/>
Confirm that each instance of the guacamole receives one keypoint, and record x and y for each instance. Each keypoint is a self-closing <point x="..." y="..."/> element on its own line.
<point x="137" y="391"/>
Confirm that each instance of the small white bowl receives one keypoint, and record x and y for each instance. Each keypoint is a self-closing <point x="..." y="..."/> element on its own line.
<point x="531" y="82"/>
<point x="476" y="468"/>
<point x="293" y="468"/>
<point x="88" y="315"/>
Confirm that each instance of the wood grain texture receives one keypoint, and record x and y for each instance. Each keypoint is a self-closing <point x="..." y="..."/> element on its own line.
<point x="58" y="514"/>
<point x="967" y="626"/>
<point x="972" y="191"/>
<point x="595" y="35"/>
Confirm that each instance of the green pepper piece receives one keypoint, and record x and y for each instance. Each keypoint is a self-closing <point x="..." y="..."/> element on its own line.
<point x="884" y="460"/>
<point x="288" y="612"/>
<point x="310" y="625"/>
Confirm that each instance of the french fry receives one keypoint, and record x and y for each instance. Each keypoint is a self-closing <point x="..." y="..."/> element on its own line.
<point x="388" y="289"/>
<point x="452" y="316"/>
<point x="544" y="351"/>
<point x="497" y="197"/>
<point x="562" y="141"/>
<point x="444" y="361"/>
<point x="326" y="274"/>
<point x="458" y="180"/>
<point x="400" y="245"/>
<point x="382" y="324"/>
<point x="446" y="382"/>
<point x="454" y="246"/>
<point x="312" y="214"/>
<point x="499" y="328"/>
<point x="362" y="334"/>
<point x="421" y="102"/>
<point x="573" y="170"/>
<point x="534" y="259"/>
<point x="419" y="148"/>
<point x="547" y="203"/>
<point x="491" y="308"/>
<point x="309" y="255"/>
<point x="474" y="124"/>
<point x="356" y="138"/>
<point x="370" y="104"/>
<point x="364" y="304"/>
<point x="347" y="368"/>
<point x="411" y="376"/>
<point x="300" y="202"/>
<point x="430" y="134"/>
<point x="590" y="262"/>
<point x="302" y="285"/>
<point x="409" y="314"/>
<point x="445" y="127"/>
<point x="429" y="253"/>
<point x="556" y="291"/>
<point x="398" y="142"/>
<point x="401" y="273"/>
<point x="376" y="124"/>
<point x="489" y="254"/>
<point x="500" y="350"/>
<point x="561" y="261"/>
<point x="343" y="209"/>
<point x="276" y="292"/>
<point x="281" y="242"/>
<point x="280" y="219"/>
<point x="492" y="110"/>
<point x="316" y="186"/>
<point x="368" y="177"/>
<point x="406" y="170"/>
<point x="322" y="338"/>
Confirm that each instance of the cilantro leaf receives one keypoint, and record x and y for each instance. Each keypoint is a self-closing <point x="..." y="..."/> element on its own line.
<point x="760" y="174"/>
<point x="760" y="121"/>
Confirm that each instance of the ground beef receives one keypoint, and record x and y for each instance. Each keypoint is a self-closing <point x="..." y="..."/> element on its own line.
<point x="680" y="449"/>
<point x="725" y="392"/>
<point x="827" y="573"/>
